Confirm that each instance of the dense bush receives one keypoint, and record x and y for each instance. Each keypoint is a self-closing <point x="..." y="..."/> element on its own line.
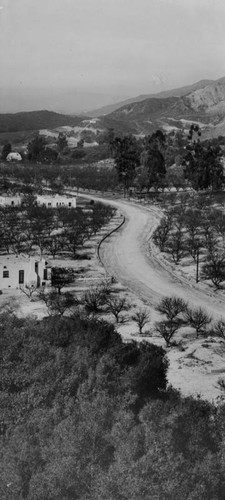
<point x="85" y="416"/>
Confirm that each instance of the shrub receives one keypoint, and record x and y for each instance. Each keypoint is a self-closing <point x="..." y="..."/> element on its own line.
<point x="96" y="297"/>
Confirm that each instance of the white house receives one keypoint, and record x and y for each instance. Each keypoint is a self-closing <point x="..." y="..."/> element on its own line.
<point x="19" y="270"/>
<point x="14" y="156"/>
<point x="10" y="201"/>
<point x="48" y="201"/>
<point x="56" y="201"/>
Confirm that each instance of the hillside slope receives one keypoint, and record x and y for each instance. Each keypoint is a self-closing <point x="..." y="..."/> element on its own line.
<point x="206" y="106"/>
<point x="177" y="92"/>
<point x="35" y="120"/>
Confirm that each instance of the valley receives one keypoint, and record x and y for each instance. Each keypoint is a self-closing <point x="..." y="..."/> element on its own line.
<point x="112" y="250"/>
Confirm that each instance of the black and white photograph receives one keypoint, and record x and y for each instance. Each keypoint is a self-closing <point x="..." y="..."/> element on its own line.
<point x="112" y="250"/>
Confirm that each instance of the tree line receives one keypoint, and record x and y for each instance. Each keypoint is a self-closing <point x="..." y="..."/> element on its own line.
<point x="140" y="163"/>
<point x="35" y="178"/>
<point x="144" y="162"/>
<point x="53" y="231"/>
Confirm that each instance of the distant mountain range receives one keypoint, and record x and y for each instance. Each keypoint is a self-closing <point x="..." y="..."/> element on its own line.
<point x="205" y="105"/>
<point x="178" y="92"/>
<point x="202" y="102"/>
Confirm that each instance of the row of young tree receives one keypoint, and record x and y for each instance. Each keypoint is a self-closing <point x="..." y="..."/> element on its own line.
<point x="177" y="313"/>
<point x="53" y="231"/>
<point x="196" y="229"/>
<point x="85" y="416"/>
<point x="36" y="177"/>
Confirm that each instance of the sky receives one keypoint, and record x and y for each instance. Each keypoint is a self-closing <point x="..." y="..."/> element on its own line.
<point x="107" y="49"/>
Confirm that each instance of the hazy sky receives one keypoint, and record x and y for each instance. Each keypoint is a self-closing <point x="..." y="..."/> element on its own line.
<point x="117" y="47"/>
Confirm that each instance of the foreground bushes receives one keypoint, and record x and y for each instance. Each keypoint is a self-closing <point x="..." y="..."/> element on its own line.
<point x="84" y="416"/>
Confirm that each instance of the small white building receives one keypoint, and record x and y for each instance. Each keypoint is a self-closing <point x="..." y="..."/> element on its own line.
<point x="14" y="156"/>
<point x="48" y="201"/>
<point x="56" y="201"/>
<point x="19" y="270"/>
<point x="10" y="201"/>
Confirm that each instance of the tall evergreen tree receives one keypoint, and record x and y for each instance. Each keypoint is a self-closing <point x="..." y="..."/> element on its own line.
<point x="126" y="151"/>
<point x="7" y="148"/>
<point x="203" y="166"/>
<point x="154" y="159"/>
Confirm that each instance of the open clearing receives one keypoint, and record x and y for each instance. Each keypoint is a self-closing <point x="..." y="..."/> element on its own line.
<point x="130" y="256"/>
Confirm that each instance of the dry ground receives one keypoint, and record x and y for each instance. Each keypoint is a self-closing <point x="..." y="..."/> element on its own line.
<point x="143" y="276"/>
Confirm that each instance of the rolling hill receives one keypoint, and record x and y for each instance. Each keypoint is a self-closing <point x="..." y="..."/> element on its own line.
<point x="35" y="120"/>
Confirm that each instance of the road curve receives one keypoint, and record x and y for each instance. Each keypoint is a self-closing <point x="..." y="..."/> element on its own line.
<point x="130" y="256"/>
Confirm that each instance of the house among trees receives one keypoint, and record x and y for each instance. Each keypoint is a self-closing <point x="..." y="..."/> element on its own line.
<point x="48" y="201"/>
<point x="19" y="270"/>
<point x="14" y="156"/>
<point x="56" y="201"/>
<point x="10" y="201"/>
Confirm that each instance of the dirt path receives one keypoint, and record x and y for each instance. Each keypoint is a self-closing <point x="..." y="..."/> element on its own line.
<point x="130" y="256"/>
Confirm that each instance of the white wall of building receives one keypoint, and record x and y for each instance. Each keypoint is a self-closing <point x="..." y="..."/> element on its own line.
<point x="15" y="269"/>
<point x="56" y="201"/>
<point x="10" y="201"/>
<point x="42" y="200"/>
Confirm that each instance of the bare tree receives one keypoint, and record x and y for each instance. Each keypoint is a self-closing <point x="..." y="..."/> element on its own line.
<point x="29" y="289"/>
<point x="175" y="245"/>
<point x="62" y="276"/>
<point x="214" y="268"/>
<point x="219" y="224"/>
<point x="161" y="234"/>
<point x="117" y="305"/>
<point x="54" y="244"/>
<point x="141" y="317"/>
<point x="198" y="318"/>
<point x="209" y="237"/>
<point x="173" y="308"/>
<point x="219" y="328"/>
<point x="167" y="329"/>
<point x="96" y="297"/>
<point x="57" y="304"/>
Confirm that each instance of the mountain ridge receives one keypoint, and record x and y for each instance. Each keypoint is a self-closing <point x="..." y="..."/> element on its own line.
<point x="175" y="92"/>
<point x="205" y="105"/>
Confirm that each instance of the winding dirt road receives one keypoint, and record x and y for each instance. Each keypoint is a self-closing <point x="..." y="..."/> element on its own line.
<point x="130" y="256"/>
